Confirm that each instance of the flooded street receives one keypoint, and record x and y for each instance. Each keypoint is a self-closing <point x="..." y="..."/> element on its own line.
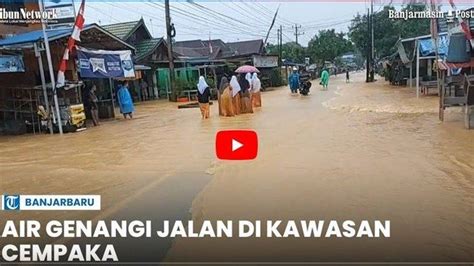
<point x="356" y="152"/>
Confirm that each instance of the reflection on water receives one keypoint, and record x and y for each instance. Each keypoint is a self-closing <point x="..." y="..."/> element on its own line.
<point x="365" y="152"/>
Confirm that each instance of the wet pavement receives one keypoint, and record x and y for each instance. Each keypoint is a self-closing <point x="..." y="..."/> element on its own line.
<point x="358" y="151"/>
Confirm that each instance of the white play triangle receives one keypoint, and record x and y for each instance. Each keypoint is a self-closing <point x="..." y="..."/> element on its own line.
<point x="236" y="145"/>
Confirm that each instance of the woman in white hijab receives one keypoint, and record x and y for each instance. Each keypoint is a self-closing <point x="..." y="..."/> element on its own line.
<point x="256" y="87"/>
<point x="234" y="83"/>
<point x="204" y="93"/>
<point x="248" y="77"/>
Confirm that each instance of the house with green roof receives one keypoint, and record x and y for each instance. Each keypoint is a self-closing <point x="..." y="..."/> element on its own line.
<point x="151" y="53"/>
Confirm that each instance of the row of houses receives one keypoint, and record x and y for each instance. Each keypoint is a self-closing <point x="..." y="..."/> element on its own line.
<point x="23" y="90"/>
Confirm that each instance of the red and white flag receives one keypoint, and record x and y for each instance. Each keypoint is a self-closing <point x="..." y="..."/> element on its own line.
<point x="75" y="36"/>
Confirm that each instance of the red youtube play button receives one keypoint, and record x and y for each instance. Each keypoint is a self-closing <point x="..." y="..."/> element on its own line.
<point x="237" y="145"/>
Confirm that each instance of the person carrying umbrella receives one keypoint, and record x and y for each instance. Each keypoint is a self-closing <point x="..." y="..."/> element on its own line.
<point x="245" y="94"/>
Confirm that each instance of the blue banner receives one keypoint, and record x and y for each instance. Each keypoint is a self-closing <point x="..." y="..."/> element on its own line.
<point x="105" y="64"/>
<point x="11" y="64"/>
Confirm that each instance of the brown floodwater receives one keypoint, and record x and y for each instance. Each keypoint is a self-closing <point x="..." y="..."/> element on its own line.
<point x="356" y="152"/>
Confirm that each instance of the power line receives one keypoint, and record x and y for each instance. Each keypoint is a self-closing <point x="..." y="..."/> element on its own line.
<point x="246" y="14"/>
<point x="325" y="25"/>
<point x="297" y="34"/>
<point x="212" y="19"/>
<point x="288" y="22"/>
<point x="196" y="20"/>
<point x="103" y="14"/>
<point x="202" y="20"/>
<point x="222" y="15"/>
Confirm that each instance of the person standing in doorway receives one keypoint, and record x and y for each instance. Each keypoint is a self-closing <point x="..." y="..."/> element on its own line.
<point x="94" y="105"/>
<point x="204" y="93"/>
<point x="125" y="100"/>
<point x="144" y="90"/>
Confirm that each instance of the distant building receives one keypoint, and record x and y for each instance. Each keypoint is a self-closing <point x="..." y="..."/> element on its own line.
<point x="151" y="53"/>
<point x="218" y="50"/>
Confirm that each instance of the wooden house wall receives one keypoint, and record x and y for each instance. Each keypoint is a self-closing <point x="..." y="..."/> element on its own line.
<point x="31" y="77"/>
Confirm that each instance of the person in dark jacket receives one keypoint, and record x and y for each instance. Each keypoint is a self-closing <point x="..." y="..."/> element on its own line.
<point x="204" y="94"/>
<point x="246" y="103"/>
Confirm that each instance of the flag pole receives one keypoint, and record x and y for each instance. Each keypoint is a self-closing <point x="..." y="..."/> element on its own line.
<point x="51" y="71"/>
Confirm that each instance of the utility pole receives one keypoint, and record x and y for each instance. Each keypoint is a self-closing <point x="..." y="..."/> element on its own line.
<point x="280" y="44"/>
<point x="279" y="48"/>
<point x="372" y="72"/>
<point x="297" y="34"/>
<point x="169" y="42"/>
<point x="51" y="71"/>
<point x="368" y="53"/>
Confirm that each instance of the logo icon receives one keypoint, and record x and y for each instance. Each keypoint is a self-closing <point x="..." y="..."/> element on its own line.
<point x="237" y="145"/>
<point x="11" y="202"/>
<point x="98" y="64"/>
<point x="127" y="64"/>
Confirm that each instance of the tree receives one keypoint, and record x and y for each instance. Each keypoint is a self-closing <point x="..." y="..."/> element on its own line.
<point x="327" y="45"/>
<point x="290" y="51"/>
<point x="387" y="31"/>
<point x="293" y="52"/>
<point x="413" y="27"/>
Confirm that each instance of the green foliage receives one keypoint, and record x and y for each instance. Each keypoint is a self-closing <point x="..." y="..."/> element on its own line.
<point x="414" y="27"/>
<point x="211" y="82"/>
<point x="327" y="45"/>
<point x="290" y="51"/>
<point x="293" y="52"/>
<point x="276" y="78"/>
<point x="386" y="31"/>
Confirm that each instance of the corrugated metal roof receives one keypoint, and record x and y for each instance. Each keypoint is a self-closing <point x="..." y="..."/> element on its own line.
<point x="121" y="30"/>
<point x="201" y="49"/>
<point x="31" y="37"/>
<point x="34" y="36"/>
<point x="247" y="47"/>
<point x="146" y="47"/>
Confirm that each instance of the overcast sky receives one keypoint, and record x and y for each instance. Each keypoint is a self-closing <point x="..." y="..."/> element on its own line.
<point x="232" y="20"/>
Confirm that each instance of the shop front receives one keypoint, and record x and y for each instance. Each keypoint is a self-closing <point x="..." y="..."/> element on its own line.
<point x="26" y="95"/>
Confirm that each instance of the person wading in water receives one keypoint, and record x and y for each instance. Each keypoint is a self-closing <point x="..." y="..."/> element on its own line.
<point x="125" y="100"/>
<point x="204" y="93"/>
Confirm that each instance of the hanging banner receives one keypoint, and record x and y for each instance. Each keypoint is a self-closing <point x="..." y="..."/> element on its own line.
<point x="11" y="64"/>
<point x="64" y="11"/>
<point x="264" y="61"/>
<point x="105" y="64"/>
